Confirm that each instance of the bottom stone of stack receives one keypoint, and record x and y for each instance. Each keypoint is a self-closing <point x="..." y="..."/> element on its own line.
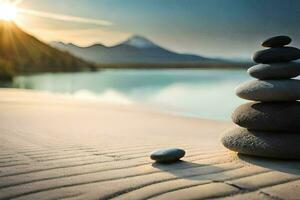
<point x="280" y="145"/>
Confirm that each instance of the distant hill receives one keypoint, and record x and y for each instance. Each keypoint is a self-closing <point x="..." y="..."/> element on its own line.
<point x="21" y="53"/>
<point x="136" y="49"/>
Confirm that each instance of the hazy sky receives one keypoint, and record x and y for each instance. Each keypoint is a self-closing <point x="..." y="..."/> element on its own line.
<point x="221" y="28"/>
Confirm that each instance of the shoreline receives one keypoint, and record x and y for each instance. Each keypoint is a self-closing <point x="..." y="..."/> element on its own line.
<point x="127" y="68"/>
<point x="109" y="112"/>
<point x="38" y="96"/>
<point x="94" y="98"/>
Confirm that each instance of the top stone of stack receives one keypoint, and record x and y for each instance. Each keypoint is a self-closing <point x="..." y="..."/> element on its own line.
<point x="277" y="41"/>
<point x="278" y="52"/>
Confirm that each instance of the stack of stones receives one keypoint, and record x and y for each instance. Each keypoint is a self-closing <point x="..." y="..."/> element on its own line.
<point x="269" y="126"/>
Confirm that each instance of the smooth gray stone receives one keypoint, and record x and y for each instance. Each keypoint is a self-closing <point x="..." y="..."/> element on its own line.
<point x="275" y="55"/>
<point x="270" y="90"/>
<point x="280" y="145"/>
<point x="281" y="116"/>
<point x="277" y="41"/>
<point x="275" y="71"/>
<point x="167" y="155"/>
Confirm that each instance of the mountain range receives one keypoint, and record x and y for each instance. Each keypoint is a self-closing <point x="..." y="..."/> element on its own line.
<point x="136" y="49"/>
<point x="21" y="53"/>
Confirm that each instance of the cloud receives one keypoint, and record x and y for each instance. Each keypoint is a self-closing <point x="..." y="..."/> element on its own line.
<point x="52" y="27"/>
<point x="14" y="2"/>
<point x="66" y="18"/>
<point x="80" y="37"/>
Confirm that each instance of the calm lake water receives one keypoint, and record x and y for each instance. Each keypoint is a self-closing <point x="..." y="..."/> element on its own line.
<point x="196" y="93"/>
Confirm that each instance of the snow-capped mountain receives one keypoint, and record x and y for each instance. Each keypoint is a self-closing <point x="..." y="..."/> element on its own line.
<point x="139" y="42"/>
<point x="136" y="49"/>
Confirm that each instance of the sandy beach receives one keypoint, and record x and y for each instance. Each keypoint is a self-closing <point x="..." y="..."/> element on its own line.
<point x="58" y="147"/>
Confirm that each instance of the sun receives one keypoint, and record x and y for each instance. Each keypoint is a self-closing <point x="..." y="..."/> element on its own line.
<point x="8" y="12"/>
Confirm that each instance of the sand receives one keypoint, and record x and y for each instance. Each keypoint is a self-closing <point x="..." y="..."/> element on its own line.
<point x="58" y="147"/>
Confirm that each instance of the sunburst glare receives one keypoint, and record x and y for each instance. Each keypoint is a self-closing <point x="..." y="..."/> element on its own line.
<point x="8" y="11"/>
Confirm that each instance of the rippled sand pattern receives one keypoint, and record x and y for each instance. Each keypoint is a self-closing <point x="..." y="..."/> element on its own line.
<point x="58" y="148"/>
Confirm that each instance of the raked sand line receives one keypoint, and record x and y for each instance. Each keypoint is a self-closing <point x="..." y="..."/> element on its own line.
<point x="121" y="172"/>
<point x="186" y="190"/>
<point x="154" y="181"/>
<point x="100" y="151"/>
<point x="133" y="162"/>
<point x="115" y="164"/>
<point x="155" y="190"/>
<point x="85" y="148"/>
<point x="44" y="156"/>
<point x="169" y="186"/>
<point x="62" y="173"/>
<point x="111" y="164"/>
<point x="174" y="186"/>
<point x="145" y="151"/>
<point x="87" y="180"/>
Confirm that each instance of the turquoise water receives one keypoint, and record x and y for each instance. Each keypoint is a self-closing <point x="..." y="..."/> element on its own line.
<point x="196" y="93"/>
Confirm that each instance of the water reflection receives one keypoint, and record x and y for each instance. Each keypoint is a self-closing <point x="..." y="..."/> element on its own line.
<point x="201" y="93"/>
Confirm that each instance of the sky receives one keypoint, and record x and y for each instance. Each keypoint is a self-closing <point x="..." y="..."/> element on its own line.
<point x="214" y="28"/>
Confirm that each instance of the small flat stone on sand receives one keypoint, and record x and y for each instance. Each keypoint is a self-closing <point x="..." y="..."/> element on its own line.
<point x="167" y="155"/>
<point x="277" y="41"/>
